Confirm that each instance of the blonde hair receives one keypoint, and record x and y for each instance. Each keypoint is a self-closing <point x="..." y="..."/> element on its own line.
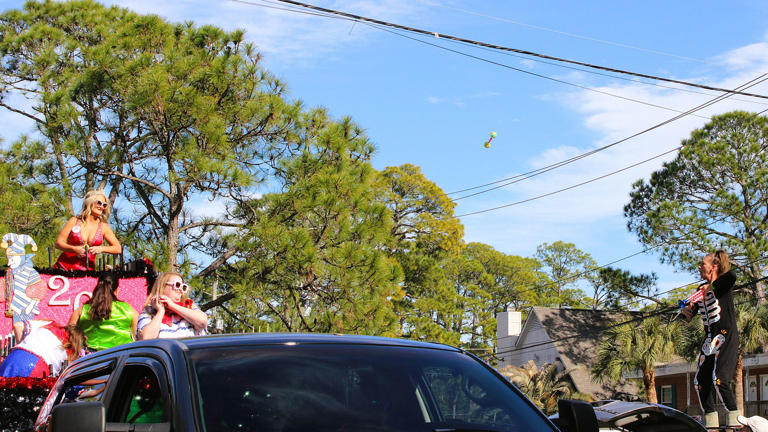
<point x="159" y="285"/>
<point x="90" y="198"/>
<point x="75" y="343"/>
<point x="721" y="261"/>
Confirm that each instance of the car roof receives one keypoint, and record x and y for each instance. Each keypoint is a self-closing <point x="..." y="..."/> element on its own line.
<point x="249" y="339"/>
<point x="303" y="338"/>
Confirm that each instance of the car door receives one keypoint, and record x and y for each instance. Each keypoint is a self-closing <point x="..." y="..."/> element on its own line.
<point x="141" y="397"/>
<point x="88" y="382"/>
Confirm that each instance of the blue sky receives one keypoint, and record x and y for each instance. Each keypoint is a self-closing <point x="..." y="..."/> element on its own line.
<point x="432" y="108"/>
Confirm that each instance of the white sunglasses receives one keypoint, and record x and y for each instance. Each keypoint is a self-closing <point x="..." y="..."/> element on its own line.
<point x="178" y="286"/>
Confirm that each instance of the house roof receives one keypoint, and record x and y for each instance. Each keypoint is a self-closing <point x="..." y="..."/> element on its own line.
<point x="582" y="328"/>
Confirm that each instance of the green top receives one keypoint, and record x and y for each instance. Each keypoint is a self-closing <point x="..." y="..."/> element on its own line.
<point x="108" y="333"/>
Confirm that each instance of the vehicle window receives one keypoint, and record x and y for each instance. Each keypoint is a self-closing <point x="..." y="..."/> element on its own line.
<point x="354" y="388"/>
<point x="461" y="398"/>
<point x="87" y="384"/>
<point x="138" y="397"/>
<point x="89" y="389"/>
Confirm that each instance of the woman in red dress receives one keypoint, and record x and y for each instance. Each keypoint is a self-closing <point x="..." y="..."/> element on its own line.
<point x="83" y="236"/>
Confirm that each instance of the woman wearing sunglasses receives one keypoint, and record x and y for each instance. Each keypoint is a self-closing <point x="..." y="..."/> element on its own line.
<point x="83" y="236"/>
<point x="169" y="313"/>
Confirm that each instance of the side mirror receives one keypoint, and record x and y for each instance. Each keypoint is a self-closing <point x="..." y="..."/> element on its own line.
<point x="78" y="417"/>
<point x="576" y="416"/>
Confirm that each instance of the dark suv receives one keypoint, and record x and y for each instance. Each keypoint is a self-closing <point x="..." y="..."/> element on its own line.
<point x="286" y="382"/>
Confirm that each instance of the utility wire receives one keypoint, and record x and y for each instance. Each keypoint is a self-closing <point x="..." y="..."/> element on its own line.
<point x="697" y="282"/>
<point x="529" y="72"/>
<point x="559" y="164"/>
<point x="573" y="35"/>
<point x="537" y="197"/>
<point x="297" y="9"/>
<point x="613" y="76"/>
<point x="360" y="18"/>
<point x="385" y="29"/>
<point x="519" y="177"/>
<point x="602" y="266"/>
<point x="531" y="173"/>
<point x="643" y="317"/>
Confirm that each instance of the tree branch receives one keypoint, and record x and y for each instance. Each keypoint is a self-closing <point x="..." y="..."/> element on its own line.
<point x="18" y="111"/>
<point x="218" y="262"/>
<point x="214" y="223"/>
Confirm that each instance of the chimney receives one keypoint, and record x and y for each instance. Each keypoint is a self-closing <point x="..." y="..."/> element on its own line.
<point x="508" y="327"/>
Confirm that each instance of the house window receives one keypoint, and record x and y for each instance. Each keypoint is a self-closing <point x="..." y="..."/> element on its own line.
<point x="667" y="395"/>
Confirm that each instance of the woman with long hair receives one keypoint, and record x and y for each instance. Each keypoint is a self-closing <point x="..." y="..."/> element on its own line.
<point x="719" y="351"/>
<point x="82" y="237"/>
<point x="43" y="351"/>
<point x="105" y="320"/>
<point x="169" y="313"/>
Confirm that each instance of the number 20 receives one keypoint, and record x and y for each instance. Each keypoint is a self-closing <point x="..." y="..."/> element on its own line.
<point x="63" y="287"/>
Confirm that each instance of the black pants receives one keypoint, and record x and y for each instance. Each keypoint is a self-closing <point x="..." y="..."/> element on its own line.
<point x="717" y="362"/>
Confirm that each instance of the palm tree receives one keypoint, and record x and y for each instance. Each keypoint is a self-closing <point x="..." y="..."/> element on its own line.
<point x="636" y="346"/>
<point x="751" y="321"/>
<point x="543" y="386"/>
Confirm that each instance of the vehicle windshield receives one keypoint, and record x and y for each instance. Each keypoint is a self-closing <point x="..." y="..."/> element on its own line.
<point x="323" y="387"/>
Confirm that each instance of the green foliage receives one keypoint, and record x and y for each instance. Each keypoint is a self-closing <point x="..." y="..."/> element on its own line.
<point x="426" y="238"/>
<point x="29" y="208"/>
<point x="712" y="195"/>
<point x="752" y="322"/>
<point x="157" y="112"/>
<point x="314" y="257"/>
<point x="616" y="289"/>
<point x="565" y="264"/>
<point x="688" y="340"/>
<point x="636" y="346"/>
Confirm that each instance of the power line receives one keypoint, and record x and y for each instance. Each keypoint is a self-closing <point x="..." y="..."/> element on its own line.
<point x="559" y="164"/>
<point x="531" y="173"/>
<point x="602" y="266"/>
<point x="573" y="35"/>
<point x="748" y="263"/>
<point x="498" y="63"/>
<point x="360" y="18"/>
<point x="537" y="197"/>
<point x="618" y="77"/>
<point x="529" y="72"/>
<point x="641" y="318"/>
<point x="297" y="9"/>
<point x="539" y="171"/>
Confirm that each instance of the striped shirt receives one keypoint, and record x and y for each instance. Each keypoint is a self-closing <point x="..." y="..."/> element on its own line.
<point x="179" y="327"/>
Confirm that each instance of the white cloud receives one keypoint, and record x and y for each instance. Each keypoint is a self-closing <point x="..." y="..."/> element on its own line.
<point x="747" y="57"/>
<point x="593" y="212"/>
<point x="281" y="35"/>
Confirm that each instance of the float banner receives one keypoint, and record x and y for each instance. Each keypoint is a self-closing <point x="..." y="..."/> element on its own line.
<point x="62" y="295"/>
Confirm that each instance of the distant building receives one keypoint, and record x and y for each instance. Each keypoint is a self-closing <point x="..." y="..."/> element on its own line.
<point x="539" y="339"/>
<point x="674" y="385"/>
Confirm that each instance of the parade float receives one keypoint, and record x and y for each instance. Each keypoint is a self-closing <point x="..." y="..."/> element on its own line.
<point x="31" y="293"/>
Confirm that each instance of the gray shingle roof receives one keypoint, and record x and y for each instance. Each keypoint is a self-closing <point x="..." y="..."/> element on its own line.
<point x="579" y="352"/>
